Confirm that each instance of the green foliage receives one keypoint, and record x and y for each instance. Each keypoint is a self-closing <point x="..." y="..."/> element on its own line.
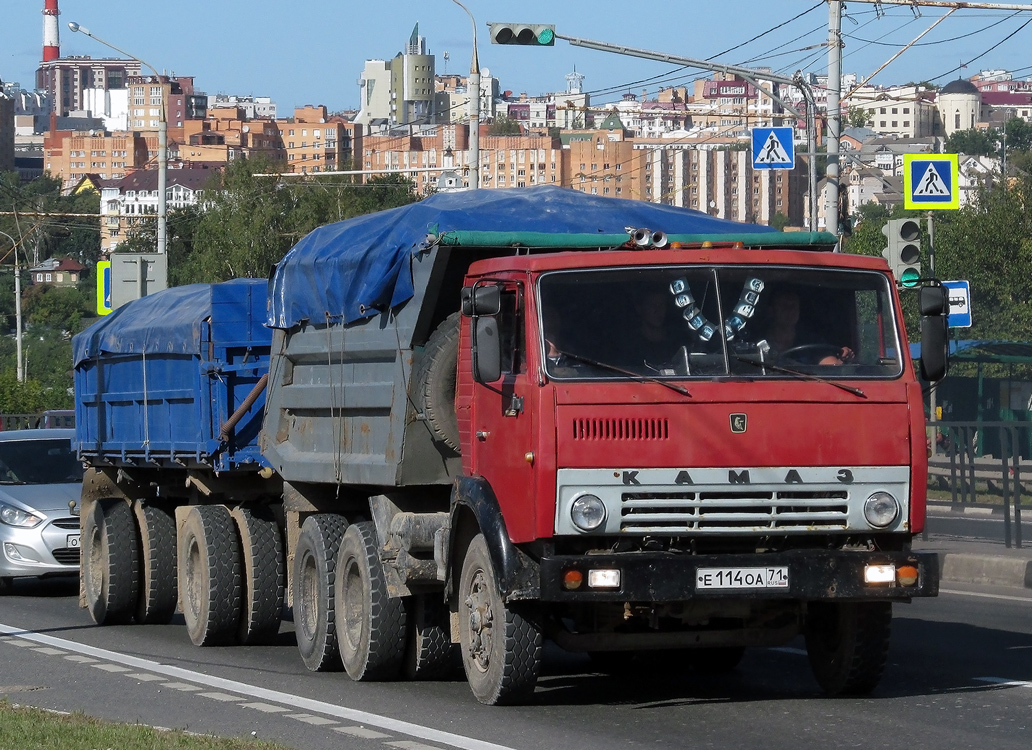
<point x="859" y="117"/>
<point x="249" y="222"/>
<point x="779" y="221"/>
<point x="504" y="126"/>
<point x="974" y="142"/>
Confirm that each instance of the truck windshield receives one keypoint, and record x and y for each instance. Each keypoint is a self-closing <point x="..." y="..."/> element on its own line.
<point x="691" y="321"/>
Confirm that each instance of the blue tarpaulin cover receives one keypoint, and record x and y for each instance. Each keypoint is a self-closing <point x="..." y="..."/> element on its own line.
<point x="168" y="322"/>
<point x="356" y="268"/>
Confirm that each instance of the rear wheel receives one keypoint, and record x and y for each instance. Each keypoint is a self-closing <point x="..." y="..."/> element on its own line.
<point x="157" y="596"/>
<point x="262" y="548"/>
<point x="370" y="624"/>
<point x="313" y="578"/>
<point x="209" y="575"/>
<point x="110" y="562"/>
<point x="847" y="643"/>
<point x="430" y="654"/>
<point x="501" y="643"/>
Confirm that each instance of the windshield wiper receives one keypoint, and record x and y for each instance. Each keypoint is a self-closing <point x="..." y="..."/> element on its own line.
<point x="800" y="375"/>
<point x="630" y="373"/>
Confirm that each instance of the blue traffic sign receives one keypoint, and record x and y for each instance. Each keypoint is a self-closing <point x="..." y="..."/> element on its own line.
<point x="959" y="296"/>
<point x="930" y="181"/>
<point x="773" y="148"/>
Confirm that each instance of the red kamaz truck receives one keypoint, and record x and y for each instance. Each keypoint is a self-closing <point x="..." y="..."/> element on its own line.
<point x="497" y="417"/>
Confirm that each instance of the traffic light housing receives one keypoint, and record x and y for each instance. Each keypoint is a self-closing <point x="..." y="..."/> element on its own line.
<point x="536" y="34"/>
<point x="903" y="251"/>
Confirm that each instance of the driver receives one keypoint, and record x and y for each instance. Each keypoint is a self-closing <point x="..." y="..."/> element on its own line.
<point x="651" y="340"/>
<point x="783" y="329"/>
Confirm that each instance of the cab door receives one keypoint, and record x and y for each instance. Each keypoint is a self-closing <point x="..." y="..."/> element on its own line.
<point x="503" y="418"/>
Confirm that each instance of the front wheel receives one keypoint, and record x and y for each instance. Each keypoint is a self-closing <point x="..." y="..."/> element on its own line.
<point x="501" y="643"/>
<point x="847" y="643"/>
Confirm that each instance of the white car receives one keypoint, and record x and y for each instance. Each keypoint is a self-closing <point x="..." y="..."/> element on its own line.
<point x="40" y="485"/>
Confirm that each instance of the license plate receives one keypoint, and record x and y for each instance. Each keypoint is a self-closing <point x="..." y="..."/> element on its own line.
<point x="73" y="541"/>
<point x="741" y="578"/>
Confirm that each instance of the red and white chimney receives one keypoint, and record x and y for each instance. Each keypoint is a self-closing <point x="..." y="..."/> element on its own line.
<point x="51" y="38"/>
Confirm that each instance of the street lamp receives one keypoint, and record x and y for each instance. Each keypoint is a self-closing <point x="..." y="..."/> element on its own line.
<point x="473" y="85"/>
<point x="19" y="357"/>
<point x="162" y="139"/>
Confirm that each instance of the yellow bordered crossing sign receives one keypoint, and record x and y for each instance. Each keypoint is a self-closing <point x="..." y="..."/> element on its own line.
<point x="931" y="181"/>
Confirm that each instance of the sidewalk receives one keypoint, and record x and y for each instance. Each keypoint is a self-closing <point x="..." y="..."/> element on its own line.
<point x="981" y="561"/>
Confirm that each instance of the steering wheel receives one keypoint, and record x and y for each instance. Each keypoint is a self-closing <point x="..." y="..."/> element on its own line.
<point x="816" y="352"/>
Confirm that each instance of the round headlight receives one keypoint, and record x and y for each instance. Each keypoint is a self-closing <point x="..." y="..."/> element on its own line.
<point x="588" y="512"/>
<point x="881" y="509"/>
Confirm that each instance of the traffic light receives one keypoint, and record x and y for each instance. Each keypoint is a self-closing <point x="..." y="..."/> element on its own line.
<point x="904" y="249"/>
<point x="538" y="34"/>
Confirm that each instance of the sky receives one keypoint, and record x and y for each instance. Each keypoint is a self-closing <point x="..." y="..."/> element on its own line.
<point x="312" y="51"/>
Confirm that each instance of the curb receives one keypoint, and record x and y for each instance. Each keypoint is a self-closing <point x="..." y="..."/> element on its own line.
<point x="990" y="570"/>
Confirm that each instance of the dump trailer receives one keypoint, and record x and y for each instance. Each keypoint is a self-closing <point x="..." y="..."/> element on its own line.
<point x="492" y="418"/>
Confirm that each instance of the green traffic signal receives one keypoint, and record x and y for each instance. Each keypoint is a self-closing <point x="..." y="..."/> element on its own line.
<point x="903" y="250"/>
<point x="541" y="35"/>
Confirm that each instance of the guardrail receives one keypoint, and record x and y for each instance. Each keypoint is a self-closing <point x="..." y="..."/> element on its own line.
<point x="969" y="455"/>
<point x="58" y="418"/>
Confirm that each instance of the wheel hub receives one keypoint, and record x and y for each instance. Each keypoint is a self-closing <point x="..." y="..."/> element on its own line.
<point x="481" y="621"/>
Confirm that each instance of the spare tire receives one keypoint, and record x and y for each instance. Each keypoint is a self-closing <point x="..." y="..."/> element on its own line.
<point x="433" y="381"/>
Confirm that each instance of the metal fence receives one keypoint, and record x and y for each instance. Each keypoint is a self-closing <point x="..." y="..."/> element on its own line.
<point x="981" y="463"/>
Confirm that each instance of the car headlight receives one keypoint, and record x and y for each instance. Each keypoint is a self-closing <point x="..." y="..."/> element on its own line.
<point x="881" y="509"/>
<point x="588" y="512"/>
<point x="17" y="517"/>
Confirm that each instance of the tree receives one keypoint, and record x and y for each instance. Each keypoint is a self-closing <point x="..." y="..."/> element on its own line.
<point x="504" y="126"/>
<point x="858" y="117"/>
<point x="973" y="142"/>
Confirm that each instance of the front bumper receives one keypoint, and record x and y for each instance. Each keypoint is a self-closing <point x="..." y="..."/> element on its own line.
<point x="41" y="551"/>
<point x="813" y="575"/>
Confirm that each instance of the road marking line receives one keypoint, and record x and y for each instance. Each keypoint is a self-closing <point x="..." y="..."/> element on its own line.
<point x="224" y="697"/>
<point x="186" y="687"/>
<point x="81" y="659"/>
<point x="1002" y="682"/>
<point x="265" y="707"/>
<point x="406" y="745"/>
<point x="295" y="701"/>
<point x="110" y="667"/>
<point x="319" y="721"/>
<point x="145" y="676"/>
<point x="987" y="596"/>
<point x="50" y="651"/>
<point x="367" y="734"/>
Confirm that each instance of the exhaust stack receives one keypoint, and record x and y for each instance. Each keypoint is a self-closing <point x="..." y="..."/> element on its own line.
<point x="51" y="38"/>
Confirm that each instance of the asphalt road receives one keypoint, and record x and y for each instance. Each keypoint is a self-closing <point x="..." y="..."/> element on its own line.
<point x="975" y="527"/>
<point x="959" y="675"/>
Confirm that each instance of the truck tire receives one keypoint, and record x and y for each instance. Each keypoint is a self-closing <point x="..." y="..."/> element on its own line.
<point x="157" y="594"/>
<point x="263" y="568"/>
<point x="110" y="562"/>
<point x="434" y="381"/>
<point x="370" y="624"/>
<point x="430" y="654"/>
<point x="209" y="575"/>
<point x="501" y="643"/>
<point x="847" y="643"/>
<point x="313" y="578"/>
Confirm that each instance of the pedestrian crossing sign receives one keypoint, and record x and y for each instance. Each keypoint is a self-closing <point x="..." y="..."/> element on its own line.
<point x="931" y="181"/>
<point x="773" y="148"/>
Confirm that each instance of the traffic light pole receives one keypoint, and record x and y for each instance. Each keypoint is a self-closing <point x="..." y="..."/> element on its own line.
<point x="749" y="74"/>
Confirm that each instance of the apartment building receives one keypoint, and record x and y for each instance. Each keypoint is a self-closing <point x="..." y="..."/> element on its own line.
<point x="71" y="155"/>
<point x="131" y="203"/>
<point x="314" y="143"/>
<point x="6" y="132"/>
<point x="605" y="162"/>
<point x="66" y="80"/>
<point x="904" y="111"/>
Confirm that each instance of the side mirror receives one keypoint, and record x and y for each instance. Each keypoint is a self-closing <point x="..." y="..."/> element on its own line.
<point x="934" y="304"/>
<point x="487" y="350"/>
<point x="480" y="299"/>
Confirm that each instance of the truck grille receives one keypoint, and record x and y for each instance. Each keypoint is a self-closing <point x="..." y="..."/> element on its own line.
<point x="620" y="429"/>
<point x="733" y="511"/>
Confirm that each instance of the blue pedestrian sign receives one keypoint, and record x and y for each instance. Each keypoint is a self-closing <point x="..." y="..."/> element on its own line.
<point x="930" y="181"/>
<point x="103" y="287"/>
<point x="773" y="148"/>
<point x="959" y="296"/>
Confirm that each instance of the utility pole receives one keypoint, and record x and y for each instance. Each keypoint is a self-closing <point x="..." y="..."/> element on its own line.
<point x="831" y="206"/>
<point x="473" y="89"/>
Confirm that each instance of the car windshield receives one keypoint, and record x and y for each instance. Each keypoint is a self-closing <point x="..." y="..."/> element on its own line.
<point x="691" y="321"/>
<point x="38" y="462"/>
